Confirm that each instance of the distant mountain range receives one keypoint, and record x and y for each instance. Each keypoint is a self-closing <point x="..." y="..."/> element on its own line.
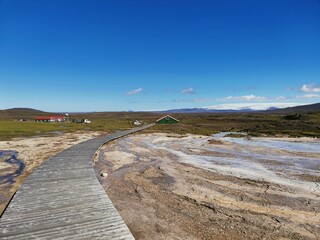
<point x="203" y="110"/>
<point x="30" y="114"/>
<point x="208" y="110"/>
<point x="305" y="108"/>
<point x="300" y="109"/>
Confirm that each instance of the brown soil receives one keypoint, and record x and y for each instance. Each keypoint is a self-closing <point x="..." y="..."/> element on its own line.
<point x="160" y="197"/>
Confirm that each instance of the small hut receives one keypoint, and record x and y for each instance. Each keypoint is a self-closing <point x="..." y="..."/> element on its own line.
<point x="167" y="120"/>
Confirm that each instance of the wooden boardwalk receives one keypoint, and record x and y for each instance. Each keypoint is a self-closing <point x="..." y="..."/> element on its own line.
<point x="63" y="199"/>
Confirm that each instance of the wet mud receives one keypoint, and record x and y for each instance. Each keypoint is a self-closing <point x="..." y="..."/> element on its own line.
<point x="14" y="169"/>
<point x="188" y="187"/>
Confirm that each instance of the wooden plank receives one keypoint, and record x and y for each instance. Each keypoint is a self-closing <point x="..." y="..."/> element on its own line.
<point x="63" y="199"/>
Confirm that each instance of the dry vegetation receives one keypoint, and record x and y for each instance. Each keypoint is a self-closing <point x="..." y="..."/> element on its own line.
<point x="256" y="124"/>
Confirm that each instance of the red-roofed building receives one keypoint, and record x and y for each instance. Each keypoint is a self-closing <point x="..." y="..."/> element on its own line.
<point x="50" y="119"/>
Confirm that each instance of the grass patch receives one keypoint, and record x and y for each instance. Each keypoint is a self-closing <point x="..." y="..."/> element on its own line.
<point x="11" y="129"/>
<point x="255" y="124"/>
<point x="236" y="135"/>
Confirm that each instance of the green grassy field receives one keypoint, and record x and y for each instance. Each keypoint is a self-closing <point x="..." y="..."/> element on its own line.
<point x="13" y="129"/>
<point x="256" y="124"/>
<point x="100" y="122"/>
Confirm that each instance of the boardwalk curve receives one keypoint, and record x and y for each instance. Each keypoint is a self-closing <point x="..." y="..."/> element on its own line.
<point x="63" y="199"/>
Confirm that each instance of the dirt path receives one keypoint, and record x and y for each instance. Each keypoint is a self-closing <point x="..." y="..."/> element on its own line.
<point x="161" y="197"/>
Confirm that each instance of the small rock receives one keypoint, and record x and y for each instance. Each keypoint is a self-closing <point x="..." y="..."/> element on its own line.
<point x="103" y="174"/>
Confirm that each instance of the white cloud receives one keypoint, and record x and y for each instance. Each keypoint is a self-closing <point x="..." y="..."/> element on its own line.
<point x="135" y="91"/>
<point x="244" y="98"/>
<point x="253" y="106"/>
<point x="310" y="95"/>
<point x="310" y="88"/>
<point x="282" y="98"/>
<point x="188" y="91"/>
<point x="193" y="100"/>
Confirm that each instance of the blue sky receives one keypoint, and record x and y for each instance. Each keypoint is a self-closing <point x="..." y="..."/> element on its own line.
<point x="117" y="55"/>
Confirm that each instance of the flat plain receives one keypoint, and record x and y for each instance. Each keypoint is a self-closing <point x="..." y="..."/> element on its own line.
<point x="165" y="194"/>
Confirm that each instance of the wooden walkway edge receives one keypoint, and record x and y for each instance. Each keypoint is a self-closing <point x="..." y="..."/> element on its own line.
<point x="63" y="199"/>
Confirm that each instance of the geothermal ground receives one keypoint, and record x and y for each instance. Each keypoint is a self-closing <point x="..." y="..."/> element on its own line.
<point x="196" y="187"/>
<point x="20" y="157"/>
